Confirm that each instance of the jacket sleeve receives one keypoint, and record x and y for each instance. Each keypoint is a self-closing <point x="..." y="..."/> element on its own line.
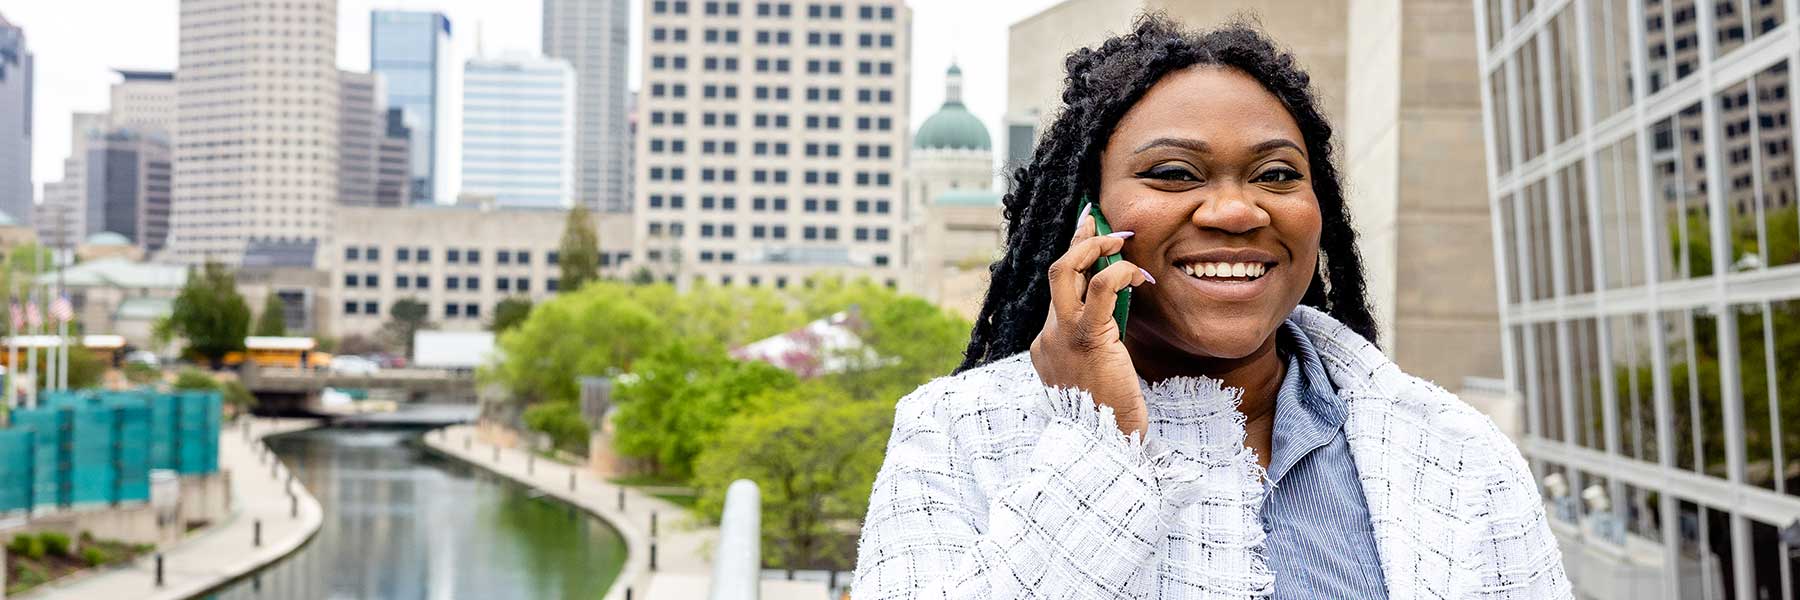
<point x="1079" y="514"/>
<point x="1514" y="555"/>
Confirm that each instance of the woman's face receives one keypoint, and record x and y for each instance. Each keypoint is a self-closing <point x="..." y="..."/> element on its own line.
<point x="1211" y="173"/>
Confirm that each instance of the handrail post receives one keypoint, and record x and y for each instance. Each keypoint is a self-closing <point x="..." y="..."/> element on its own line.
<point x="737" y="566"/>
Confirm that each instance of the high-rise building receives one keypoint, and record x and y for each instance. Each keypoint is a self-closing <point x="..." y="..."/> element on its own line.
<point x="144" y="101"/>
<point x="61" y="219"/>
<point x="393" y="160"/>
<point x="128" y="188"/>
<point x="1642" y="192"/>
<point x="362" y="128"/>
<point x="593" y="36"/>
<point x="256" y="132"/>
<point x="411" y="51"/>
<point x="773" y="139"/>
<point x="15" y="123"/>
<point x="519" y="134"/>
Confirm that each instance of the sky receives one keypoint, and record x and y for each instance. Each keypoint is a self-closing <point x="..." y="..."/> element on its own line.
<point x="76" y="52"/>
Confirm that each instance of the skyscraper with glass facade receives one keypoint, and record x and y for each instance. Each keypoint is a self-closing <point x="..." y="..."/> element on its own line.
<point x="15" y="123"/>
<point x="594" y="36"/>
<point x="1641" y="185"/>
<point x="519" y="131"/>
<point x="411" y="51"/>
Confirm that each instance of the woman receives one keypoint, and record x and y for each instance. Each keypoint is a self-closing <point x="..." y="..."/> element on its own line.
<point x="1243" y="437"/>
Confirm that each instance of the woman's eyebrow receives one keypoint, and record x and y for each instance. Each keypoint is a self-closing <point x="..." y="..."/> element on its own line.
<point x="1184" y="143"/>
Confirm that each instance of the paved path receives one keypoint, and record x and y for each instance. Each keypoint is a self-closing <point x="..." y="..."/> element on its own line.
<point x="215" y="555"/>
<point x="683" y="545"/>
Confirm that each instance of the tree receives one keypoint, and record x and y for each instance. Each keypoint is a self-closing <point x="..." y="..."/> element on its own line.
<point x="509" y="313"/>
<point x="579" y="255"/>
<point x="210" y="313"/>
<point x="813" y="452"/>
<point x="679" y="396"/>
<point x="562" y="421"/>
<point x="597" y="330"/>
<point x="405" y="318"/>
<point x="272" y="321"/>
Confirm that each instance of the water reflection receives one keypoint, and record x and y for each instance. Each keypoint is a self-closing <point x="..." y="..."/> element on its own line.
<point x="401" y="523"/>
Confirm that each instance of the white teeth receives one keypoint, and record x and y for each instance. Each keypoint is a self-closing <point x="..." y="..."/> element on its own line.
<point x="1250" y="270"/>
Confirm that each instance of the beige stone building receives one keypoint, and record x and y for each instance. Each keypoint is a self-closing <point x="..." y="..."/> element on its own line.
<point x="459" y="260"/>
<point x="256" y="133"/>
<point x="771" y="140"/>
<point x="1397" y="80"/>
<point x="953" y="218"/>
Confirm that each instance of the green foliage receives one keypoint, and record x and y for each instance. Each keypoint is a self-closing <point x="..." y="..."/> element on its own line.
<point x="813" y="451"/>
<point x="562" y="422"/>
<point x="579" y="255"/>
<point x="27" y="545"/>
<point x="405" y="318"/>
<point x="55" y="543"/>
<point x="94" y="557"/>
<point x="237" y="395"/>
<point x="272" y="321"/>
<point x="85" y="369"/>
<point x="210" y="313"/>
<point x="509" y="313"/>
<point x="594" y="331"/>
<point x="195" y="379"/>
<point x="680" y="396"/>
<point x="141" y="374"/>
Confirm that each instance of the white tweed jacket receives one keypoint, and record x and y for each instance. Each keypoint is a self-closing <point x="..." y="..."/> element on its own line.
<point x="995" y="486"/>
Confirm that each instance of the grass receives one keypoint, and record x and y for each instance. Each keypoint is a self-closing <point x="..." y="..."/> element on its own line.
<point x="49" y="556"/>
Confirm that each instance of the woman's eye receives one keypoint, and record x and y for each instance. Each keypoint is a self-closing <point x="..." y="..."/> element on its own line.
<point x="1279" y="175"/>
<point x="1169" y="173"/>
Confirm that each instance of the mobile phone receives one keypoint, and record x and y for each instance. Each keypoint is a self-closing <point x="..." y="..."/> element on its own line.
<point x="1121" y="308"/>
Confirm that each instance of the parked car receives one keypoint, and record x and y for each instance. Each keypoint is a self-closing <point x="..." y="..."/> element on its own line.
<point x="353" y="365"/>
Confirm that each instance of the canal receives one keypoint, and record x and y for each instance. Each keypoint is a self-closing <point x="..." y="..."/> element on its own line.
<point x="402" y="523"/>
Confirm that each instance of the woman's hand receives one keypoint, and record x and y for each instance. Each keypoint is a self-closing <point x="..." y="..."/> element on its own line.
<point x="1079" y="346"/>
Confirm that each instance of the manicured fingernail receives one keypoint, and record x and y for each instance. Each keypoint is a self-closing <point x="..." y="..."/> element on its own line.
<point x="1147" y="276"/>
<point x="1120" y="234"/>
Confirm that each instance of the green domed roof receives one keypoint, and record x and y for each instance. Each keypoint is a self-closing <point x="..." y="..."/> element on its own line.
<point x="954" y="127"/>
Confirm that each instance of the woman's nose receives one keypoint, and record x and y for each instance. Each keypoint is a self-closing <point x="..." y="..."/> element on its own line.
<point x="1230" y="209"/>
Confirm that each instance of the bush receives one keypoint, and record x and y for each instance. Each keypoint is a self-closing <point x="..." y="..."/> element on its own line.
<point x="562" y="422"/>
<point x="195" y="379"/>
<point x="26" y="545"/>
<point x="56" y="544"/>
<point x="94" y="557"/>
<point x="237" y="395"/>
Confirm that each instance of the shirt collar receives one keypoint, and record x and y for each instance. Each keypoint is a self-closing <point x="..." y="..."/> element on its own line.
<point x="1308" y="412"/>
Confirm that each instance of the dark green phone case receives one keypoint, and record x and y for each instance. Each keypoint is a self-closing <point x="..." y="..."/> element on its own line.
<point x="1122" y="308"/>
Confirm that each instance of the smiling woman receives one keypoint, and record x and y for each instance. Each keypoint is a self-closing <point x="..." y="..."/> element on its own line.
<point x="1244" y="437"/>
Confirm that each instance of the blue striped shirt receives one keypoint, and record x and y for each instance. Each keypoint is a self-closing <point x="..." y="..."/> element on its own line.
<point x="1320" y="541"/>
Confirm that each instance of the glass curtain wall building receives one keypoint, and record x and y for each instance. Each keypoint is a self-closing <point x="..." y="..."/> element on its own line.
<point x="519" y="131"/>
<point x="1641" y="178"/>
<point x="411" y="51"/>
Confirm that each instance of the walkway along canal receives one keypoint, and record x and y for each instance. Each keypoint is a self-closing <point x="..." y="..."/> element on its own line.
<point x="405" y="524"/>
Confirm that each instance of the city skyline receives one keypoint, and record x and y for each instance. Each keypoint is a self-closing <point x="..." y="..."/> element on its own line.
<point x="74" y="75"/>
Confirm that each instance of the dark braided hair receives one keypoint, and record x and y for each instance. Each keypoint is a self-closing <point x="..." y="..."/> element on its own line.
<point x="1102" y="84"/>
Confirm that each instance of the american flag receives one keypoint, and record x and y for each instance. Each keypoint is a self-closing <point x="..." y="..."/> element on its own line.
<point x="61" y="309"/>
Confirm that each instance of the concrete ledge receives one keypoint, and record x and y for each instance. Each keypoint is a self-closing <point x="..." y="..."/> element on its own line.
<point x="215" y="556"/>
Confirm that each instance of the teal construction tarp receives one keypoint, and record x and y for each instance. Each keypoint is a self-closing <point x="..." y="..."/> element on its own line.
<point x="87" y="448"/>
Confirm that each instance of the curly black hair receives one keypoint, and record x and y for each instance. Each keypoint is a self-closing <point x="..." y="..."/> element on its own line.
<point x="1102" y="84"/>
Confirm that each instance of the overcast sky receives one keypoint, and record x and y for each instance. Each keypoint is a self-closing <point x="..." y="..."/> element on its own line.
<point x="77" y="43"/>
